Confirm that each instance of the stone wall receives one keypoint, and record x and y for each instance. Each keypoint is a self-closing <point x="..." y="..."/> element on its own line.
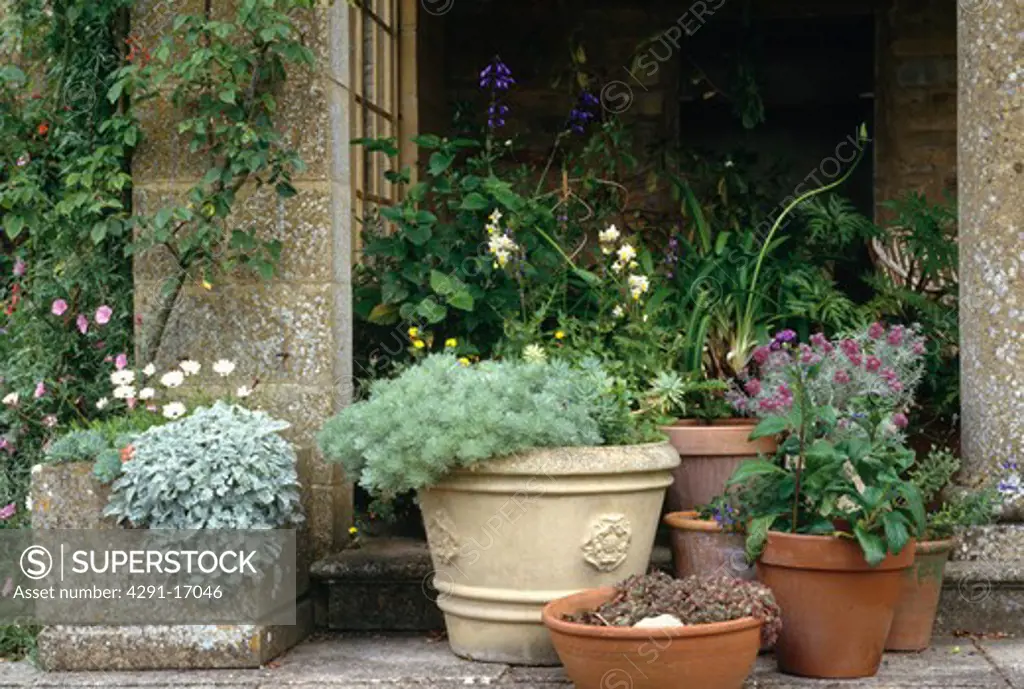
<point x="293" y="334"/>
<point x="916" y="99"/>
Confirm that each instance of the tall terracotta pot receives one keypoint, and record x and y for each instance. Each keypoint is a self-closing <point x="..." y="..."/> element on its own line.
<point x="836" y="609"/>
<point x="701" y="656"/>
<point x="700" y="547"/>
<point x="919" y="598"/>
<point x="710" y="455"/>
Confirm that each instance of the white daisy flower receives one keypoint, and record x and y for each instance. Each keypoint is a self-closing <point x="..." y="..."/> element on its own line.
<point x="243" y="391"/>
<point x="147" y="394"/>
<point x="224" y="367"/>
<point x="149" y="370"/>
<point x="102" y="403"/>
<point x="174" y="410"/>
<point x="120" y="378"/>
<point x="190" y="367"/>
<point x="11" y="400"/>
<point x="172" y="379"/>
<point x="125" y="392"/>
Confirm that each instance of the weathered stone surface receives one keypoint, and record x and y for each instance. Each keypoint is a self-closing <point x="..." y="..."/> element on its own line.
<point x="983" y="597"/>
<point x="169" y="647"/>
<point x="66" y="496"/>
<point x="995" y="543"/>
<point x="991" y="150"/>
<point x="410" y="662"/>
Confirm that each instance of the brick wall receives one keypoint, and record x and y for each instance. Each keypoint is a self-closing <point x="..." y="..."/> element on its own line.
<point x="916" y="99"/>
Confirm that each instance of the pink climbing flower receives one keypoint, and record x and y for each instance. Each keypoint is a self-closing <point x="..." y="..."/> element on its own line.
<point x="40" y="390"/>
<point x="121" y="362"/>
<point x="83" y="324"/>
<point x="58" y="307"/>
<point x="103" y="315"/>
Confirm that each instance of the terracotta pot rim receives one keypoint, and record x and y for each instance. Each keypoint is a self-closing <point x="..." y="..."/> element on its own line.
<point x="717" y="441"/>
<point x="829" y="553"/>
<point x="689" y="520"/>
<point x="554" y="622"/>
<point x="731" y="422"/>
<point x="935" y="547"/>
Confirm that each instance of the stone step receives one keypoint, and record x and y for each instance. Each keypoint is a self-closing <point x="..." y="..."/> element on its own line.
<point x="416" y="662"/>
<point x="386" y="586"/>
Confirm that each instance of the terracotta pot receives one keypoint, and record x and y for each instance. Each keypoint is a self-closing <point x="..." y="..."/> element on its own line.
<point x="703" y="656"/>
<point x="919" y="599"/>
<point x="700" y="547"/>
<point x="509" y="535"/>
<point x="836" y="609"/>
<point x="710" y="455"/>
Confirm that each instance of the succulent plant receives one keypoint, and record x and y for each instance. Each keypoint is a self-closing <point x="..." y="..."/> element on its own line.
<point x="694" y="600"/>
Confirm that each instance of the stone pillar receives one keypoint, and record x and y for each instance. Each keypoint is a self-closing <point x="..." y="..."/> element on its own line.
<point x="991" y="197"/>
<point x="292" y="333"/>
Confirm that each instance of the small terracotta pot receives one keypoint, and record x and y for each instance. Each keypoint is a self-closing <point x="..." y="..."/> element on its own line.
<point x="710" y="455"/>
<point x="704" y="656"/>
<point x="700" y="547"/>
<point x="919" y="598"/>
<point x="836" y="609"/>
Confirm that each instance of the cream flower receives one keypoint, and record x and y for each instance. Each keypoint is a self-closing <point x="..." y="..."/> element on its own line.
<point x="609" y="236"/>
<point x="125" y="392"/>
<point x="618" y="312"/>
<point x="174" y="410"/>
<point x="534" y="354"/>
<point x="124" y="377"/>
<point x="243" y="391"/>
<point x="502" y="247"/>
<point x="638" y="286"/>
<point x="11" y="400"/>
<point x="495" y="216"/>
<point x="102" y="403"/>
<point x="190" y="367"/>
<point x="224" y="367"/>
<point x="626" y="254"/>
<point x="149" y="370"/>
<point x="172" y="379"/>
<point x="147" y="394"/>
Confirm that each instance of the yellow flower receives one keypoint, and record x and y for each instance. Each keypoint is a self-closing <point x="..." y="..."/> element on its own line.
<point x="464" y="361"/>
<point x="207" y="285"/>
<point x="451" y="342"/>
<point x="352" y="530"/>
<point x="414" y="332"/>
<point x="419" y="344"/>
<point x="559" y="335"/>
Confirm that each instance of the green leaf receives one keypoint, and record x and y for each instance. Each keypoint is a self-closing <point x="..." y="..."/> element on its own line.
<point x="427" y="141"/>
<point x="442" y="284"/>
<point x="440" y="162"/>
<point x="474" y="202"/>
<point x="384" y="314"/>
<point x="462" y="300"/>
<point x="431" y="311"/>
<point x="755" y="467"/>
<point x="896" y="533"/>
<point x="99" y="233"/>
<point x="772" y="425"/>
<point x="757" y="535"/>
<point x="871" y="544"/>
<point x="15" y="224"/>
<point x="115" y="91"/>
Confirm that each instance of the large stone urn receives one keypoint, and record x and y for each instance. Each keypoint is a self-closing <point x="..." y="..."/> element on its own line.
<point x="510" y="535"/>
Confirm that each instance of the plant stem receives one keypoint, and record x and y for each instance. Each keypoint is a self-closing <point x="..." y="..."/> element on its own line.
<point x="802" y="389"/>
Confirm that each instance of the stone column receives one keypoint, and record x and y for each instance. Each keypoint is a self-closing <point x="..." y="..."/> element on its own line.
<point x="292" y="333"/>
<point x="991" y="197"/>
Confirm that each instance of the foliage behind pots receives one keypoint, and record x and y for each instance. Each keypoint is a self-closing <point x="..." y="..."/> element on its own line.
<point x="440" y="415"/>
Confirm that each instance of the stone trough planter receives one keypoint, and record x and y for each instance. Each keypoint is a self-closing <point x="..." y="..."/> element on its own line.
<point x="510" y="535"/>
<point x="66" y="496"/>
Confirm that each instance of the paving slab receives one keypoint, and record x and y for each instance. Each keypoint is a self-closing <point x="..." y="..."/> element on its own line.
<point x="418" y="662"/>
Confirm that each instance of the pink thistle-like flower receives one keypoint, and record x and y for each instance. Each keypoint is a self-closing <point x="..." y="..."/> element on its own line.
<point x="918" y="348"/>
<point x="103" y="314"/>
<point x="896" y="336"/>
<point x="121" y="362"/>
<point x="19" y="268"/>
<point x="873" y="364"/>
<point x="785" y="393"/>
<point x="761" y="355"/>
<point x="753" y="387"/>
<point x="849" y="347"/>
<point x="58" y="307"/>
<point x="83" y="324"/>
<point x="819" y="340"/>
<point x="876" y="331"/>
<point x="841" y="377"/>
<point x="900" y="420"/>
<point x="8" y="511"/>
<point x="40" y="390"/>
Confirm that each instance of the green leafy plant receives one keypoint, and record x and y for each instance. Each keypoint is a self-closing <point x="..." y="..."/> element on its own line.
<point x="440" y="415"/>
<point x="221" y="467"/>
<point x="973" y="508"/>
